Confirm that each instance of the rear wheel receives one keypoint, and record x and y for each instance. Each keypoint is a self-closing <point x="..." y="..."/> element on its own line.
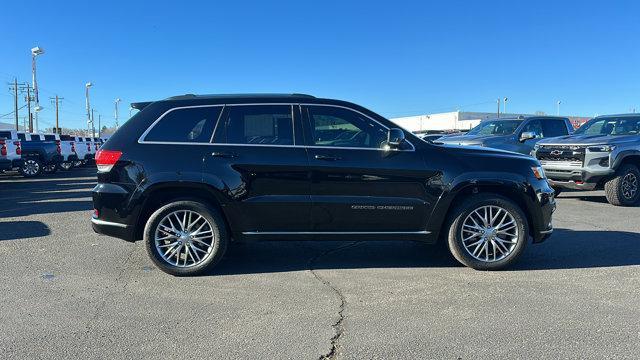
<point x="185" y="238"/>
<point x="623" y="189"/>
<point x="31" y="167"/>
<point x="487" y="232"/>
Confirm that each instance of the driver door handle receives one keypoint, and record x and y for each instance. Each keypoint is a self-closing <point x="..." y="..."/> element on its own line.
<point x="225" y="155"/>
<point x="326" y="157"/>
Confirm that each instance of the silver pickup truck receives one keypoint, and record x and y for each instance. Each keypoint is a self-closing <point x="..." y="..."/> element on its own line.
<point x="603" y="153"/>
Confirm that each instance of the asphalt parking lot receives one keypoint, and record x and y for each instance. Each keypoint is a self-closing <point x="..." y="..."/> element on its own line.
<point x="70" y="293"/>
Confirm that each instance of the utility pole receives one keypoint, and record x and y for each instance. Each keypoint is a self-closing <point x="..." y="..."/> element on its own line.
<point x="116" y="114"/>
<point x="86" y="95"/>
<point x="29" y="108"/>
<point x="15" y="101"/>
<point x="99" y="124"/>
<point x="93" y="127"/>
<point x="56" y="100"/>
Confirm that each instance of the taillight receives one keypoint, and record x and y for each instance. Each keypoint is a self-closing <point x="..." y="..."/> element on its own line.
<point x="73" y="147"/>
<point x="105" y="159"/>
<point x="58" y="147"/>
<point x="3" y="148"/>
<point x="18" y="145"/>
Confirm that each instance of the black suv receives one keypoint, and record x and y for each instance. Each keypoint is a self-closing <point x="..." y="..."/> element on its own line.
<point x="190" y="174"/>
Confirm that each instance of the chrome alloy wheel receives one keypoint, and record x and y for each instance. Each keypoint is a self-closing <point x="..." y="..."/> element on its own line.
<point x="489" y="233"/>
<point x="629" y="185"/>
<point x="66" y="165"/>
<point x="30" y="167"/>
<point x="184" y="238"/>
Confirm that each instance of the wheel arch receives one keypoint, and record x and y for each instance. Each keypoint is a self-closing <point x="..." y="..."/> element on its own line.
<point x="507" y="188"/>
<point x="627" y="157"/>
<point x="160" y="194"/>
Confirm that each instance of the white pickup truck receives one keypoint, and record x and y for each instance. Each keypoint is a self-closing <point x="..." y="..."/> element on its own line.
<point x="10" y="151"/>
<point x="84" y="149"/>
<point x="67" y="150"/>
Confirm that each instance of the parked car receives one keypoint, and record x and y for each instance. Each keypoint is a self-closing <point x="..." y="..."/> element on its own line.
<point x="83" y="150"/>
<point x="38" y="154"/>
<point x="67" y="150"/>
<point x="512" y="134"/>
<point x="603" y="153"/>
<point x="10" y="151"/>
<point x="190" y="173"/>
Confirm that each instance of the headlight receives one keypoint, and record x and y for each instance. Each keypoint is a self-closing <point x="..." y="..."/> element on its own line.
<point x="601" y="148"/>
<point x="538" y="172"/>
<point x="536" y="147"/>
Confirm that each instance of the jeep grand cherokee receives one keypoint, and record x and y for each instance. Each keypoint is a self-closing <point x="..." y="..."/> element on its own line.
<point x="190" y="174"/>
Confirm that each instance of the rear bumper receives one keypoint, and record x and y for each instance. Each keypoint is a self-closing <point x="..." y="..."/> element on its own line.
<point x="121" y="231"/>
<point x="541" y="211"/>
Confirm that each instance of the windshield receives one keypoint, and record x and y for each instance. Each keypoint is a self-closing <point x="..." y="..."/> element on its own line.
<point x="495" y="127"/>
<point x="611" y="126"/>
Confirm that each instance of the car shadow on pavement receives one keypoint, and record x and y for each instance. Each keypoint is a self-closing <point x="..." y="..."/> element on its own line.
<point x="14" y="230"/>
<point x="60" y="192"/>
<point x="576" y="249"/>
<point x="590" y="198"/>
<point x="566" y="249"/>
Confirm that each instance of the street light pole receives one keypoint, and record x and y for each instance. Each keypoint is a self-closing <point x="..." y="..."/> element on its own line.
<point x="34" y="53"/>
<point x="116" y="114"/>
<point x="498" y="101"/>
<point x="559" y="102"/>
<point x="504" y="109"/>
<point x="86" y="95"/>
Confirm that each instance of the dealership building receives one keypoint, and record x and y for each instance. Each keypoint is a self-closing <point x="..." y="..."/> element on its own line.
<point x="459" y="120"/>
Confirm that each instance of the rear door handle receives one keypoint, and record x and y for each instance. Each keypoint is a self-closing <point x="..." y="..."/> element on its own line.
<point x="327" y="157"/>
<point x="223" y="155"/>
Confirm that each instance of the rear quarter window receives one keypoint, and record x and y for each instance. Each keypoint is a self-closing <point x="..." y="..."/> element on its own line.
<point x="49" y="137"/>
<point x="190" y="125"/>
<point x="5" y="134"/>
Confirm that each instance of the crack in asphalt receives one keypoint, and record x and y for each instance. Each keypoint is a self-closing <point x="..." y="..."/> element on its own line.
<point x="338" y="326"/>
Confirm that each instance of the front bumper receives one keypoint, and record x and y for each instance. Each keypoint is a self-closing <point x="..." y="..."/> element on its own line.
<point x="578" y="174"/>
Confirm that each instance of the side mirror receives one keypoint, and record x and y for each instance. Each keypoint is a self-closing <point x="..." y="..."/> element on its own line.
<point x="395" y="138"/>
<point x="527" y="135"/>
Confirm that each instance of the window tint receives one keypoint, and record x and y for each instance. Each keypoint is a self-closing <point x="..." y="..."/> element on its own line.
<point x="22" y="137"/>
<point x="338" y="127"/>
<point x="257" y="124"/>
<point x="66" y="138"/>
<point x="552" y="128"/>
<point x="186" y="125"/>
<point x="35" y="137"/>
<point x="535" y="127"/>
<point x="49" y="137"/>
<point x="5" y="134"/>
<point x="87" y="139"/>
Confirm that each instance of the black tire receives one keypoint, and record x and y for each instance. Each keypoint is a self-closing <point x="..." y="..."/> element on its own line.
<point x="557" y="190"/>
<point x="219" y="231"/>
<point x="31" y="167"/>
<point x="460" y="213"/>
<point x="50" y="169"/>
<point x="618" y="190"/>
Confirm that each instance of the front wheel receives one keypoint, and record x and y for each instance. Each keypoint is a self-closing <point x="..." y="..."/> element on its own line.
<point x="31" y="168"/>
<point x="623" y="189"/>
<point x="487" y="232"/>
<point x="185" y="238"/>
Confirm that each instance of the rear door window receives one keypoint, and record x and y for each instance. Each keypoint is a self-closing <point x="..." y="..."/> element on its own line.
<point x="257" y="125"/>
<point x="188" y="125"/>
<point x="534" y="126"/>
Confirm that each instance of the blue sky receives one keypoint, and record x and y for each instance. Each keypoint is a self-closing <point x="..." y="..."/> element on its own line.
<point x="397" y="58"/>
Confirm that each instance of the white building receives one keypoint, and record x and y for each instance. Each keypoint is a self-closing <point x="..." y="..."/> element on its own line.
<point x="455" y="120"/>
